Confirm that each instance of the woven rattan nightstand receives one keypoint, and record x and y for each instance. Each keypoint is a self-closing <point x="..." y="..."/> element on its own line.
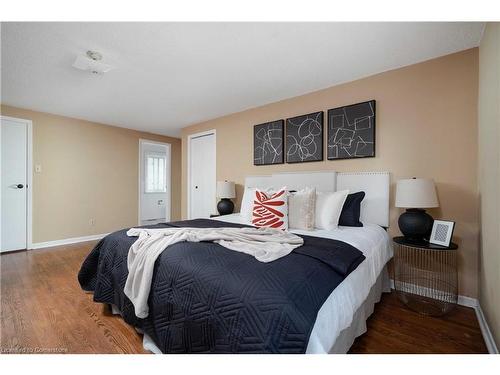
<point x="425" y="276"/>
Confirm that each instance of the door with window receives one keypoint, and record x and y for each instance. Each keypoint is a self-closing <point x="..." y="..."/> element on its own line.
<point x="154" y="184"/>
<point x="14" y="184"/>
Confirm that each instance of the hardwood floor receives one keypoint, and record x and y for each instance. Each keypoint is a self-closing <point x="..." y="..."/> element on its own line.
<point x="393" y="329"/>
<point x="43" y="310"/>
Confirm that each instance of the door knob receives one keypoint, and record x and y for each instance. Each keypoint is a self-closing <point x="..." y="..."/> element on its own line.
<point x="20" y="186"/>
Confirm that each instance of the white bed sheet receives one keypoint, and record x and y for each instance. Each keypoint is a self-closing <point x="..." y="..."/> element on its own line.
<point x="337" y="312"/>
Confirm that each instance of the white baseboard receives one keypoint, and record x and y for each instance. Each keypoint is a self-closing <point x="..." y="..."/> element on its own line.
<point x="67" y="241"/>
<point x="468" y="302"/>
<point x="485" y="330"/>
<point x="483" y="324"/>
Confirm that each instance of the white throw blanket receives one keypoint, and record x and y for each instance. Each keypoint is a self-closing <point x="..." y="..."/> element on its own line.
<point x="265" y="244"/>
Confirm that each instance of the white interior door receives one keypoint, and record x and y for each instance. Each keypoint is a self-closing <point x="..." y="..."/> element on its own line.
<point x="154" y="182"/>
<point x="14" y="162"/>
<point x="202" y="176"/>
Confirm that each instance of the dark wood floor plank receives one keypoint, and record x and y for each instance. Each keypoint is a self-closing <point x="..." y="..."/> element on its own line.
<point x="43" y="308"/>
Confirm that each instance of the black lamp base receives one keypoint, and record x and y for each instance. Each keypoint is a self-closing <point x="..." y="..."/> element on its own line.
<point x="416" y="225"/>
<point x="225" y="206"/>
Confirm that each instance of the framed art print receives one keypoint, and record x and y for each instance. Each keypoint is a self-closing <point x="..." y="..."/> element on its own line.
<point x="351" y="131"/>
<point x="304" y="138"/>
<point x="442" y="231"/>
<point x="268" y="143"/>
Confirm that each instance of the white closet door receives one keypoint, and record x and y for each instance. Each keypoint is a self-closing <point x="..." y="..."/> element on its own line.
<point x="13" y="179"/>
<point x="202" y="176"/>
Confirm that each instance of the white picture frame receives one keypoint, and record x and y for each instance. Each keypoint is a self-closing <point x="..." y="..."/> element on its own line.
<point x="442" y="231"/>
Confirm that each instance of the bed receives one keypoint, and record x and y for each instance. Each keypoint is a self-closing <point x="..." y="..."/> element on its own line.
<point x="330" y="325"/>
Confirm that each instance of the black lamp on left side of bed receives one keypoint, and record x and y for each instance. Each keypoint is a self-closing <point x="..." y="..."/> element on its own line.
<point x="225" y="191"/>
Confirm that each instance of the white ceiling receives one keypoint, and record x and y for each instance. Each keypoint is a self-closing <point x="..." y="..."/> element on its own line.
<point x="171" y="75"/>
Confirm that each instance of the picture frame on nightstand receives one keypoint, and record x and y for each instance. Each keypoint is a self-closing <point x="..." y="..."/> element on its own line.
<point x="442" y="232"/>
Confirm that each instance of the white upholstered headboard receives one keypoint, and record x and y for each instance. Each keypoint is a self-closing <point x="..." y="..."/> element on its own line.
<point x="375" y="206"/>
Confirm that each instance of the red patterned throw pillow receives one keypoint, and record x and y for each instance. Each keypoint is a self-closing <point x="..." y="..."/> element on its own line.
<point x="270" y="209"/>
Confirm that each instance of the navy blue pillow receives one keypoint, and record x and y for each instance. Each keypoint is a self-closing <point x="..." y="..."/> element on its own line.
<point x="351" y="210"/>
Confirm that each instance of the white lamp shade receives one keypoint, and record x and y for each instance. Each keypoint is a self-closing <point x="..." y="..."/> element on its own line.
<point x="416" y="193"/>
<point x="225" y="189"/>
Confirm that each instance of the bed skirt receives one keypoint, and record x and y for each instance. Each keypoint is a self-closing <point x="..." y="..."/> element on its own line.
<point x="358" y="326"/>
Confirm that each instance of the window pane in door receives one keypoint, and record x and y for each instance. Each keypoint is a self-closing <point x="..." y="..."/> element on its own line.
<point x="155" y="174"/>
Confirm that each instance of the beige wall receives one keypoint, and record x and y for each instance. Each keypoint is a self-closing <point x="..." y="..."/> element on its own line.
<point x="89" y="170"/>
<point x="426" y="126"/>
<point x="489" y="176"/>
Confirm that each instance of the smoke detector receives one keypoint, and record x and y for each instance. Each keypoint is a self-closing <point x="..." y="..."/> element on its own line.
<point x="91" y="62"/>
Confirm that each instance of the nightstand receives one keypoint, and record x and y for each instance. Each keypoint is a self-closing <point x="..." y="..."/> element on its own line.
<point x="425" y="276"/>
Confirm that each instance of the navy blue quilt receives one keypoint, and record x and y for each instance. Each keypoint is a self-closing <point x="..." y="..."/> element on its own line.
<point x="208" y="299"/>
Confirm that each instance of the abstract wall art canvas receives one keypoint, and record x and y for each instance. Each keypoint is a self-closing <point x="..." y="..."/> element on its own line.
<point x="268" y="143"/>
<point x="304" y="138"/>
<point x="351" y="131"/>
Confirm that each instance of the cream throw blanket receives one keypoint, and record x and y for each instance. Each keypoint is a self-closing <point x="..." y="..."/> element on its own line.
<point x="265" y="244"/>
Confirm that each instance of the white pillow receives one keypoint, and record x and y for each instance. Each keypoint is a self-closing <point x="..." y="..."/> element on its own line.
<point x="246" y="207"/>
<point x="328" y="209"/>
<point x="301" y="213"/>
<point x="247" y="204"/>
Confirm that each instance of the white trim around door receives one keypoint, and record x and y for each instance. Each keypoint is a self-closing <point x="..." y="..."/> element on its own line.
<point x="29" y="178"/>
<point x="189" y="138"/>
<point x="168" y="206"/>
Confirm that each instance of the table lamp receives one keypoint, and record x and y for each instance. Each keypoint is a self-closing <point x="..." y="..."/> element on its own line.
<point x="225" y="191"/>
<point x="416" y="194"/>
